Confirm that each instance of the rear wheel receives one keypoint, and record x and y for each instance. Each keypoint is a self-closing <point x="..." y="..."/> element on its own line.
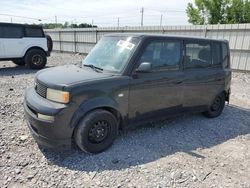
<point x="217" y="106"/>
<point x="35" y="59"/>
<point x="96" y="131"/>
<point x="19" y="62"/>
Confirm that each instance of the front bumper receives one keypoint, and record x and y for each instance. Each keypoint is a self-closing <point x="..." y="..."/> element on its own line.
<point x="56" y="134"/>
<point x="48" y="143"/>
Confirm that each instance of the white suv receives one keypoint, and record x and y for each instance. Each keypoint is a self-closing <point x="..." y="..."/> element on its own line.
<point x="24" y="44"/>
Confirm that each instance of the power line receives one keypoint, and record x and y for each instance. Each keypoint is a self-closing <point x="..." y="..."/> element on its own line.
<point x="120" y="19"/>
<point x="38" y="19"/>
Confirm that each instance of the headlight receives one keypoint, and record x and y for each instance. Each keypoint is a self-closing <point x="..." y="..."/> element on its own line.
<point x="57" y="95"/>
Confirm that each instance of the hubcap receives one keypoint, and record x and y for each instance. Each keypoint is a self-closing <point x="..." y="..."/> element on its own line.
<point x="98" y="131"/>
<point x="37" y="59"/>
<point x="216" y="105"/>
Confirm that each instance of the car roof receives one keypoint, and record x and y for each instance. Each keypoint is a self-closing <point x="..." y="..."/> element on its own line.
<point x="20" y="25"/>
<point x="146" y="35"/>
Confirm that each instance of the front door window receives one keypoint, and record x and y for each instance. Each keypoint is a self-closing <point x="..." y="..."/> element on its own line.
<point x="163" y="55"/>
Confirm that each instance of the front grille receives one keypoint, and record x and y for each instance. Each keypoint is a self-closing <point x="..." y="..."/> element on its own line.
<point x="41" y="89"/>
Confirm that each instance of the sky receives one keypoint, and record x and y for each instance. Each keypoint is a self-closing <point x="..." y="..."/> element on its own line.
<point x="102" y="13"/>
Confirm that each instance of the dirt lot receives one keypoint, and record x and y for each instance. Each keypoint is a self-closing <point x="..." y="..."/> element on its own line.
<point x="188" y="151"/>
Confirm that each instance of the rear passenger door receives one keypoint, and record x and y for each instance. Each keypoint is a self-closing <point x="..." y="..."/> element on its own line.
<point x="204" y="76"/>
<point x="158" y="92"/>
<point x="2" y="53"/>
<point x="13" y="41"/>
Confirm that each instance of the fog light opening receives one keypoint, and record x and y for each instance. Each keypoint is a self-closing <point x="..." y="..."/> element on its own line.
<point x="45" y="117"/>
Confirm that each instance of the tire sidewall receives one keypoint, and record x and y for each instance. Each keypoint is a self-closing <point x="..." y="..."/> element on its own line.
<point x="210" y="112"/>
<point x="30" y="54"/>
<point x="82" y="131"/>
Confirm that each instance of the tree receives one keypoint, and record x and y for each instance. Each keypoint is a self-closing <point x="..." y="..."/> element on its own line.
<point x="66" y="25"/>
<point x="196" y="15"/>
<point x="218" y="11"/>
<point x="238" y="12"/>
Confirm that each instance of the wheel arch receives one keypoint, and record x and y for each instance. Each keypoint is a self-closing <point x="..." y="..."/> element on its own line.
<point x="34" y="48"/>
<point x="227" y="94"/>
<point x="95" y="104"/>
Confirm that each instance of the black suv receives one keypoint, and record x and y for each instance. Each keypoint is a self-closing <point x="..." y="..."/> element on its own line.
<point x="125" y="80"/>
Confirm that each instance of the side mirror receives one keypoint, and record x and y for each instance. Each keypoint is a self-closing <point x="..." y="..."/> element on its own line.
<point x="144" y="67"/>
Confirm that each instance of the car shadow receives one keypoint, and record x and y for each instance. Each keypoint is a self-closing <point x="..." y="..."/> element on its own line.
<point x="152" y="142"/>
<point x="17" y="70"/>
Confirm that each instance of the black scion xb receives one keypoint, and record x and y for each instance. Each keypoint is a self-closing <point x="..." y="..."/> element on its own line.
<point x="126" y="80"/>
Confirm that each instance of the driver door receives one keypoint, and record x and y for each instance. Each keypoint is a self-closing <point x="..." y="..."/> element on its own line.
<point x="158" y="92"/>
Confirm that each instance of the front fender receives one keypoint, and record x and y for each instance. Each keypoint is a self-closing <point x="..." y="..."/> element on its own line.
<point x="87" y="106"/>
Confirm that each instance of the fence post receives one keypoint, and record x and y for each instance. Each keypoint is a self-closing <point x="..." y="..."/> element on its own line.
<point x="60" y="41"/>
<point x="74" y="32"/>
<point x="205" y="31"/>
<point x="96" y="36"/>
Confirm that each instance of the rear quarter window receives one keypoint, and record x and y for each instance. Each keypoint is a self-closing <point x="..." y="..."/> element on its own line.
<point x="225" y="55"/>
<point x="34" y="32"/>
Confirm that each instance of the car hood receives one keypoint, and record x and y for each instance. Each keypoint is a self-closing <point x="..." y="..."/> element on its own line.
<point x="63" y="76"/>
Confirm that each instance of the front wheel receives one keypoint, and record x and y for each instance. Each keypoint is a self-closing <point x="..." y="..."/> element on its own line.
<point x="96" y="131"/>
<point x="35" y="59"/>
<point x="217" y="106"/>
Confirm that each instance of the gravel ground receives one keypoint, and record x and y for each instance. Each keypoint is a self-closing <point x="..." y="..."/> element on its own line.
<point x="188" y="151"/>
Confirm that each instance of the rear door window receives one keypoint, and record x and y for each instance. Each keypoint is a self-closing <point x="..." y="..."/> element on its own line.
<point x="198" y="54"/>
<point x="33" y="32"/>
<point x="11" y="31"/>
<point x="164" y="55"/>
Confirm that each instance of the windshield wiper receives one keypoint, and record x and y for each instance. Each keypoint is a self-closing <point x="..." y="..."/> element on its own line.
<point x="97" y="69"/>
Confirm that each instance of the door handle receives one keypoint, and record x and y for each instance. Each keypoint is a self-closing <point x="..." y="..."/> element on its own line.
<point x="179" y="82"/>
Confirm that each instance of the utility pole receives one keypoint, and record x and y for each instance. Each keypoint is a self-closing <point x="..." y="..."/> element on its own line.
<point x="142" y="12"/>
<point x="11" y="20"/>
<point x="92" y="23"/>
<point x="56" y="20"/>
<point x="118" y="22"/>
<point x="161" y="20"/>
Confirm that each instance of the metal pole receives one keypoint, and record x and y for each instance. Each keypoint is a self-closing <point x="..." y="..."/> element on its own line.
<point x="161" y="20"/>
<point x="142" y="12"/>
<point x="118" y="22"/>
<point x="56" y="20"/>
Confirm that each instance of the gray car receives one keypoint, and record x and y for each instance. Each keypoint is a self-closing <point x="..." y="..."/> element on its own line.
<point x="127" y="80"/>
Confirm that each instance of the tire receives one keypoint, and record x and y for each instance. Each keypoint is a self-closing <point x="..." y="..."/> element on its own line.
<point x="96" y="131"/>
<point x="50" y="43"/>
<point x="35" y="59"/>
<point x="19" y="62"/>
<point x="217" y="106"/>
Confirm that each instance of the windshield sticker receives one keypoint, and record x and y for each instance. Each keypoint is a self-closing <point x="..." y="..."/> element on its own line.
<point x="125" y="44"/>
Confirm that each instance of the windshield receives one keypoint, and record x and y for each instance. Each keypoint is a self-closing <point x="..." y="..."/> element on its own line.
<point x="111" y="53"/>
